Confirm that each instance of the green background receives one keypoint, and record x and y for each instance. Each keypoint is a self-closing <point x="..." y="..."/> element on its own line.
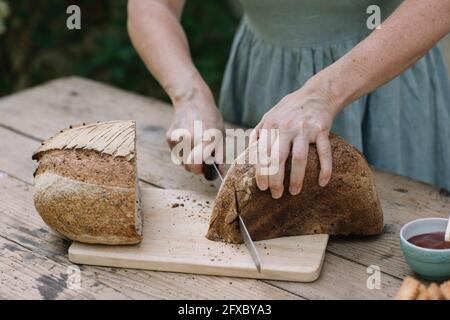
<point x="37" y="46"/>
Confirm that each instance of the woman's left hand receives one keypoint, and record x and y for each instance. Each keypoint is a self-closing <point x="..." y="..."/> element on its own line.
<point x="302" y="117"/>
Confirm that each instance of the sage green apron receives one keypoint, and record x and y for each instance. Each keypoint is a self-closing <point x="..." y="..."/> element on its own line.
<point x="401" y="127"/>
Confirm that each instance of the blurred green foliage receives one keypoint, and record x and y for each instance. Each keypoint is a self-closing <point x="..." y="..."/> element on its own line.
<point x="37" y="46"/>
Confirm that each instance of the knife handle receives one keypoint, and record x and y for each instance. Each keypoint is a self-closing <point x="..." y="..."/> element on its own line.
<point x="209" y="172"/>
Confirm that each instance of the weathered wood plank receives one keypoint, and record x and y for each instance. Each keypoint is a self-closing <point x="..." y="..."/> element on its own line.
<point x="16" y="154"/>
<point x="28" y="229"/>
<point x="343" y="279"/>
<point x="399" y="206"/>
<point x="21" y="224"/>
<point x="27" y="275"/>
<point x="403" y="200"/>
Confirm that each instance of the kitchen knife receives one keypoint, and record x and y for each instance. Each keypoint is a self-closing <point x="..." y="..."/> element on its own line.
<point x="209" y="172"/>
<point x="243" y="229"/>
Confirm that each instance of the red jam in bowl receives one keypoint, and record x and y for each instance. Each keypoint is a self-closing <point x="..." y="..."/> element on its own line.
<point x="434" y="240"/>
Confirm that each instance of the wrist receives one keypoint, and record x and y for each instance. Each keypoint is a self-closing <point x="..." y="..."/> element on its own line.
<point x="188" y="89"/>
<point x="331" y="87"/>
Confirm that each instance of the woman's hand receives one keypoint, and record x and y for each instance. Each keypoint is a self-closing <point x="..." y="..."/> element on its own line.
<point x="302" y="117"/>
<point x="197" y="105"/>
<point x="156" y="32"/>
<point x="305" y="116"/>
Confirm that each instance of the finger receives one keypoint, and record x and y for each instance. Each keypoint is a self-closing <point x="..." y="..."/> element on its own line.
<point x="262" y="163"/>
<point x="252" y="144"/>
<point x="279" y="154"/>
<point x="208" y="153"/>
<point x="325" y="156"/>
<point x="194" y="161"/>
<point x="254" y="134"/>
<point x="220" y="157"/>
<point x="300" y="150"/>
<point x="194" y="168"/>
<point x="210" y="160"/>
<point x="169" y="140"/>
<point x="221" y="169"/>
<point x="180" y="143"/>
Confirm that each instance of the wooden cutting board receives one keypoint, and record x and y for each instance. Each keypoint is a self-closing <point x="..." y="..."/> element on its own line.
<point x="174" y="240"/>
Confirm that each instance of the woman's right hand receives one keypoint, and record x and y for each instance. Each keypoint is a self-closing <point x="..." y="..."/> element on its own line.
<point x="156" y="32"/>
<point x="196" y="105"/>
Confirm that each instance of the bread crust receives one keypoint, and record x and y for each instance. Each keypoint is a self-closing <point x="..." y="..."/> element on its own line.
<point x="348" y="205"/>
<point x="87" y="212"/>
<point x="86" y="184"/>
<point x="114" y="138"/>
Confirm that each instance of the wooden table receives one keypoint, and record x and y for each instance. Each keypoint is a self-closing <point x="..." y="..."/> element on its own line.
<point x="33" y="260"/>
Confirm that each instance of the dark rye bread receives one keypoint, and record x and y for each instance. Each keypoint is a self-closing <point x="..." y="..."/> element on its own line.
<point x="86" y="183"/>
<point x="348" y="205"/>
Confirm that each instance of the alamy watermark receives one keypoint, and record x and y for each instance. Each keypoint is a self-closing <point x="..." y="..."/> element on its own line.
<point x="210" y="146"/>
<point x="73" y="277"/>
<point x="374" y="20"/>
<point x="73" y="21"/>
<point x="374" y="279"/>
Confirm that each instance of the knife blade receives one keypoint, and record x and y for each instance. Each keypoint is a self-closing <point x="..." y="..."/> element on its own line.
<point x="244" y="231"/>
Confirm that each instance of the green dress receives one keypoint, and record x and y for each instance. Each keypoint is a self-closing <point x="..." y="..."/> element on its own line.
<point x="401" y="127"/>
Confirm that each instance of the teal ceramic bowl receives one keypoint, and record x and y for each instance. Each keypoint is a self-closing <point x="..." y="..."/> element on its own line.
<point x="429" y="264"/>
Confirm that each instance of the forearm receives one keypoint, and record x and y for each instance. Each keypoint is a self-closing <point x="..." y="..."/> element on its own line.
<point x="159" y="39"/>
<point x="404" y="37"/>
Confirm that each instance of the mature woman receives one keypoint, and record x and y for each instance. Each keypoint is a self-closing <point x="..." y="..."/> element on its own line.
<point x="308" y="67"/>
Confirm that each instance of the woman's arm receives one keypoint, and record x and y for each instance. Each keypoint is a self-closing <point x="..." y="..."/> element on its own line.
<point x="406" y="35"/>
<point x="306" y="115"/>
<point x="158" y="37"/>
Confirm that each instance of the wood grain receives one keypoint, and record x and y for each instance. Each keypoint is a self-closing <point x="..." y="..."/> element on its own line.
<point x="76" y="100"/>
<point x="175" y="225"/>
<point x="17" y="148"/>
<point x="154" y="163"/>
<point x="343" y="279"/>
<point x="21" y="225"/>
<point x="28" y="244"/>
<point x="28" y="275"/>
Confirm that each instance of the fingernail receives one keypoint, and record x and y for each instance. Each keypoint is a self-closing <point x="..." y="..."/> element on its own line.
<point x="262" y="186"/>
<point x="294" y="191"/>
<point x="277" y="194"/>
<point x="323" y="182"/>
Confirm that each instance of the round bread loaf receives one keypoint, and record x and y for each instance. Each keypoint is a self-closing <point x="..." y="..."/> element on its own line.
<point x="348" y="204"/>
<point x="86" y="183"/>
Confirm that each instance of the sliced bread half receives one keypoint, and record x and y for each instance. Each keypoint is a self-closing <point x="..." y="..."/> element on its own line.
<point x="349" y="204"/>
<point x="86" y="183"/>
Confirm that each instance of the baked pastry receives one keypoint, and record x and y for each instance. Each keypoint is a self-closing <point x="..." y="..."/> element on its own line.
<point x="412" y="289"/>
